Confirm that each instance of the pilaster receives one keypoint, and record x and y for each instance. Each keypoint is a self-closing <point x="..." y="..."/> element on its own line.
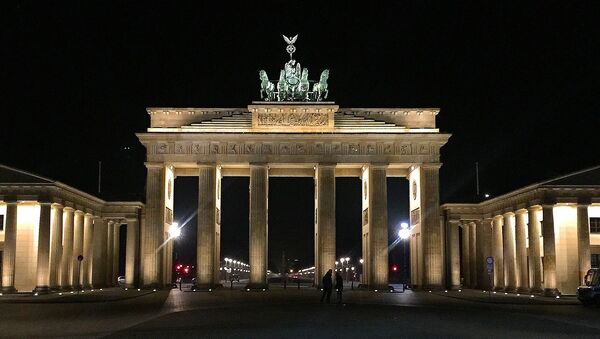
<point x="152" y="232"/>
<point x="497" y="245"/>
<point x="430" y="226"/>
<point x="132" y="253"/>
<point x="466" y="263"/>
<point x="453" y="253"/>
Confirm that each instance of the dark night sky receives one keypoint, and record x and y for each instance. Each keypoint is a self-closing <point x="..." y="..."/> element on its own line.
<point x="518" y="88"/>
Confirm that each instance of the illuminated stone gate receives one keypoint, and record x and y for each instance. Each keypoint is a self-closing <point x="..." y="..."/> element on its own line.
<point x="295" y="139"/>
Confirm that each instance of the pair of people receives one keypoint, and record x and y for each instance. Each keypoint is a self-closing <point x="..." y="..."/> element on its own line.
<point x="327" y="283"/>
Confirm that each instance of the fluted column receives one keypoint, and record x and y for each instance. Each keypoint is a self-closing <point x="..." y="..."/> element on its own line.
<point x="10" y="247"/>
<point x="78" y="230"/>
<point x="378" y="227"/>
<point x="583" y="234"/>
<point x="453" y="253"/>
<point x="115" y="262"/>
<point x="431" y="229"/>
<point x="66" y="265"/>
<point x="110" y="231"/>
<point x="549" y="251"/>
<point x="535" y="249"/>
<point x="259" y="188"/>
<point x="99" y="255"/>
<point x="152" y="232"/>
<point x="483" y="250"/>
<point x="132" y="253"/>
<point x="498" y="253"/>
<point x="43" y="259"/>
<point x="86" y="264"/>
<point x="56" y="232"/>
<point x="324" y="220"/>
<point x="207" y="226"/>
<point x="508" y="238"/>
<point x="521" y="251"/>
<point x="472" y="254"/>
<point x="466" y="265"/>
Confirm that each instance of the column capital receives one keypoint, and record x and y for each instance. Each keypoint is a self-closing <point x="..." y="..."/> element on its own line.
<point x="154" y="164"/>
<point x="381" y="165"/>
<point x="437" y="165"/>
<point x="57" y="206"/>
<point x="128" y="220"/>
<point x="326" y="164"/>
<point x="508" y="214"/>
<point x="68" y="209"/>
<point x="498" y="217"/>
<point x="206" y="164"/>
<point x="79" y="212"/>
<point x="10" y="201"/>
<point x="454" y="221"/>
<point x="534" y="208"/>
<point x="521" y="211"/>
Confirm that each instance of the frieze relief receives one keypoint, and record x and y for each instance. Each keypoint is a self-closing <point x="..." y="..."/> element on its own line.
<point x="298" y="148"/>
<point x="292" y="119"/>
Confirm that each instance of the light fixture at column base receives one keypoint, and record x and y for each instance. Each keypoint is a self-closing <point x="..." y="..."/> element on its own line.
<point x="256" y="287"/>
<point x="41" y="290"/>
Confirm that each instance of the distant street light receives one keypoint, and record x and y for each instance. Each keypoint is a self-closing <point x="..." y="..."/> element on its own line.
<point x="404" y="232"/>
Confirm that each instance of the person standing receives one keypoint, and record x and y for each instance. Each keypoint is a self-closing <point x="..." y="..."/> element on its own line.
<point x="339" y="286"/>
<point x="327" y="286"/>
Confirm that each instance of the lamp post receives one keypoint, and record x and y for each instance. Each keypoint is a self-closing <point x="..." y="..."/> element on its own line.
<point x="404" y="234"/>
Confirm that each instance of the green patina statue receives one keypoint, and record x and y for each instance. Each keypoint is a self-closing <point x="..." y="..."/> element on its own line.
<point x="293" y="83"/>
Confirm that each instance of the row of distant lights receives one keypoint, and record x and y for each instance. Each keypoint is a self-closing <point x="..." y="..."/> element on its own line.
<point x="234" y="269"/>
<point x="236" y="262"/>
<point x="505" y="293"/>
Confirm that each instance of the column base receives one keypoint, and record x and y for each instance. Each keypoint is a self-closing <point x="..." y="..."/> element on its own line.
<point x="498" y="289"/>
<point x="205" y="287"/>
<point x="510" y="289"/>
<point x="67" y="289"/>
<point x="522" y="290"/>
<point x="41" y="290"/>
<point x="455" y="287"/>
<point x="551" y="292"/>
<point x="9" y="289"/>
<point x="256" y="287"/>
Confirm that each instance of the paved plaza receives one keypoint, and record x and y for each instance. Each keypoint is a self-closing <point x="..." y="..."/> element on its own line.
<point x="293" y="313"/>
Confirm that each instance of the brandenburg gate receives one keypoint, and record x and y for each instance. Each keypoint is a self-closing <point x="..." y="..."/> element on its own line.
<point x="294" y="132"/>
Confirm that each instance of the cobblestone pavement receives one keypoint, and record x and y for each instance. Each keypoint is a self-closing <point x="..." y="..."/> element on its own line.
<point x="295" y="313"/>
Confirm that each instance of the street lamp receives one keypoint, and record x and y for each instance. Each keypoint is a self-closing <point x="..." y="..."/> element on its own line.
<point x="404" y="232"/>
<point x="174" y="230"/>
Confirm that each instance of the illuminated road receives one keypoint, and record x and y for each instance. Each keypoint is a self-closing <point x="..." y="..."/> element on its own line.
<point x="298" y="313"/>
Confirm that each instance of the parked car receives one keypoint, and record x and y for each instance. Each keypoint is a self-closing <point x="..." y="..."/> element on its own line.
<point x="590" y="292"/>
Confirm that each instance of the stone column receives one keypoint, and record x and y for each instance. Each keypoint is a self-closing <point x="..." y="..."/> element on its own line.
<point x="43" y="259"/>
<point x="152" y="232"/>
<point x="498" y="253"/>
<point x="99" y="255"/>
<point x="431" y="228"/>
<point x="472" y="254"/>
<point x="378" y="227"/>
<point x="115" y="263"/>
<point x="583" y="234"/>
<point x="56" y="232"/>
<point x="66" y="265"/>
<point x="78" y="230"/>
<point x="466" y="265"/>
<point x="453" y="254"/>
<point x="259" y="189"/>
<point x="510" y="275"/>
<point x="521" y="251"/>
<point x="324" y="220"/>
<point x="86" y="264"/>
<point x="110" y="233"/>
<point x="483" y="250"/>
<point x="132" y="253"/>
<point x="10" y="247"/>
<point x="207" y="227"/>
<point x="549" y="251"/>
<point x="535" y="249"/>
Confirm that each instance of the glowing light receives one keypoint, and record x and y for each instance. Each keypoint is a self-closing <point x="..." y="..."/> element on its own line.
<point x="558" y="297"/>
<point x="404" y="232"/>
<point x="174" y="230"/>
<point x="154" y="290"/>
<point x="531" y="296"/>
<point x="487" y="195"/>
<point x="72" y="292"/>
<point x="375" y="290"/>
<point x="60" y="293"/>
<point x="138" y="289"/>
<point x="460" y="290"/>
<point x="361" y="261"/>
<point x="36" y="294"/>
